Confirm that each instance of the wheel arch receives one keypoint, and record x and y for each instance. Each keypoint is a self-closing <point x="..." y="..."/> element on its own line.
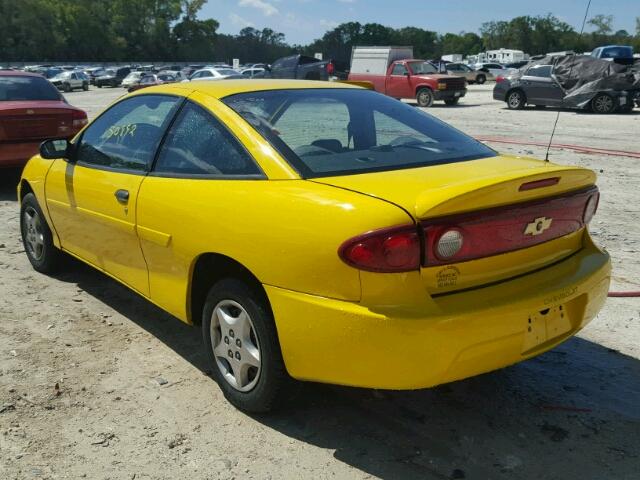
<point x="207" y="269"/>
<point x="24" y="188"/>
<point x="514" y="89"/>
<point x="421" y="86"/>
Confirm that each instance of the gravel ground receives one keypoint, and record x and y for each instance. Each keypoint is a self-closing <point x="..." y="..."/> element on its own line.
<point x="96" y="382"/>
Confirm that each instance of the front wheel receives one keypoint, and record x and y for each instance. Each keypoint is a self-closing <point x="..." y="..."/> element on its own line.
<point x="480" y="79"/>
<point x="66" y="87"/>
<point x="452" y="101"/>
<point x="425" y="97"/>
<point x="242" y="345"/>
<point x="516" y="100"/>
<point x="603" y="103"/>
<point x="85" y="86"/>
<point x="37" y="238"/>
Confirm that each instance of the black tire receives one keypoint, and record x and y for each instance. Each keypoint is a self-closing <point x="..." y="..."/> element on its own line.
<point x="452" y="101"/>
<point x="265" y="384"/>
<point x="603" y="103"/>
<point x="516" y="100"/>
<point x="66" y="87"/>
<point x="85" y="86"/>
<point x="480" y="79"/>
<point x="45" y="258"/>
<point x="99" y="85"/>
<point x="424" y="97"/>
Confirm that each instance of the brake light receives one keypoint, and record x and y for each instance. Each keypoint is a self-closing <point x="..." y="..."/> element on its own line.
<point x="499" y="79"/>
<point x="330" y="68"/>
<point x="388" y="250"/>
<point x="591" y="208"/>
<point x="484" y="233"/>
<point x="79" y="119"/>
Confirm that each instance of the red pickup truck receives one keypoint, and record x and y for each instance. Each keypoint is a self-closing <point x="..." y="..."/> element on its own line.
<point x="404" y="78"/>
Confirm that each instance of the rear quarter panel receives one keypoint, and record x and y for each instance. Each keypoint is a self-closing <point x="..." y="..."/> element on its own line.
<point x="287" y="233"/>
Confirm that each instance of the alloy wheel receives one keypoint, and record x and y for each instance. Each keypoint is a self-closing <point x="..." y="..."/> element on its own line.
<point x="235" y="345"/>
<point x="33" y="233"/>
<point x="603" y="104"/>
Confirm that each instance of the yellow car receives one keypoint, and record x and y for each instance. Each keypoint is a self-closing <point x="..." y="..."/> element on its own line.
<point x="321" y="231"/>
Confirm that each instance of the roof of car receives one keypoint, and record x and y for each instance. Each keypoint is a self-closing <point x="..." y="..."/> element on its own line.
<point x="224" y="88"/>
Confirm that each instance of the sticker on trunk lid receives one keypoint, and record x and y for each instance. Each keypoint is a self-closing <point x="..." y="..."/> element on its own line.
<point x="447" y="277"/>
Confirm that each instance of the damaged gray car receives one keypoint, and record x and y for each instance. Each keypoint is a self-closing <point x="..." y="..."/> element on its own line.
<point x="572" y="81"/>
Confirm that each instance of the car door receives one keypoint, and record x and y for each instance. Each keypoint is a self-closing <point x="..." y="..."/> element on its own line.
<point x="92" y="197"/>
<point x="192" y="202"/>
<point x="398" y="83"/>
<point x="540" y="88"/>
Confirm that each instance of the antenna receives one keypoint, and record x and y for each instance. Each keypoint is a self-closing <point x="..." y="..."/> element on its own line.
<point x="555" y="124"/>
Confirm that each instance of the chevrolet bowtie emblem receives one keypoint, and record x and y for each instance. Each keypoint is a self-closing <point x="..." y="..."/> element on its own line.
<point x="538" y="226"/>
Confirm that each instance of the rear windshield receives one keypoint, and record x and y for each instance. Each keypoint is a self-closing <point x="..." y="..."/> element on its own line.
<point x="326" y="132"/>
<point x="26" y="88"/>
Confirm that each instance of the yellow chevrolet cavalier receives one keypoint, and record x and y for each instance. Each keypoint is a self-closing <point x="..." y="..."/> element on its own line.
<point x="320" y="231"/>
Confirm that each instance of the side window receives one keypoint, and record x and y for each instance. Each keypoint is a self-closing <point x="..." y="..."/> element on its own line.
<point x="330" y="133"/>
<point x="543" y="71"/>
<point x="199" y="145"/>
<point x="399" y="69"/>
<point x="206" y="73"/>
<point x="126" y="136"/>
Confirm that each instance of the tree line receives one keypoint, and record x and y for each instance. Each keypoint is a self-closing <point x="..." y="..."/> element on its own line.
<point x="170" y="30"/>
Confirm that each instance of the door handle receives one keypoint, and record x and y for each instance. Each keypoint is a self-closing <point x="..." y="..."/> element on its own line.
<point x="122" y="196"/>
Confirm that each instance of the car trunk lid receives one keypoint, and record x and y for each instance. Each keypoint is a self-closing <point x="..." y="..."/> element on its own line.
<point x="517" y="214"/>
<point x="25" y="121"/>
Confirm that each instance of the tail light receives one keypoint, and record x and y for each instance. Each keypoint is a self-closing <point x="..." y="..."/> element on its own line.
<point x="468" y="236"/>
<point x="389" y="250"/>
<point x="591" y="208"/>
<point x="330" y="68"/>
<point x="79" y="119"/>
<point x="499" y="79"/>
<point x="473" y="235"/>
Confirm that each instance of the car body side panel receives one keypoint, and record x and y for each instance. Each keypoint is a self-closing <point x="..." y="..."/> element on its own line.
<point x="93" y="224"/>
<point x="287" y="233"/>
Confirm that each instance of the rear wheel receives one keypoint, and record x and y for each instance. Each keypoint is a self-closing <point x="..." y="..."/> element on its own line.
<point x="480" y="79"/>
<point x="242" y="345"/>
<point x="603" y="103"/>
<point x="424" y="97"/>
<point x="37" y="238"/>
<point x="516" y="100"/>
<point x="99" y="85"/>
<point x="452" y="101"/>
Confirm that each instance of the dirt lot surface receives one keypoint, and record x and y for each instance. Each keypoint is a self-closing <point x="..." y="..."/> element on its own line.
<point x="97" y="383"/>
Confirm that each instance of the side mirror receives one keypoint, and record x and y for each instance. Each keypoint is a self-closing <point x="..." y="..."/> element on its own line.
<point x="54" y="149"/>
<point x="267" y="68"/>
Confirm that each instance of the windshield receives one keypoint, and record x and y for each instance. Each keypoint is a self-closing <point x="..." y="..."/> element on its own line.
<point x="26" y="88"/>
<point x="422" y="68"/>
<point x="326" y="132"/>
<point x="226" y="71"/>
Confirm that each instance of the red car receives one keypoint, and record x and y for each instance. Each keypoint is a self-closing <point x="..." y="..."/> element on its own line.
<point x="31" y="111"/>
<point x="150" y="80"/>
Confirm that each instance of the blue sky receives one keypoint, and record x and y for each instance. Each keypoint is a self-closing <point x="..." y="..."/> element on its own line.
<point x="305" y="20"/>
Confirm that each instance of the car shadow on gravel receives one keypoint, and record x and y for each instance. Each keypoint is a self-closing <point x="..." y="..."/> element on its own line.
<point x="9" y="179"/>
<point x="571" y="413"/>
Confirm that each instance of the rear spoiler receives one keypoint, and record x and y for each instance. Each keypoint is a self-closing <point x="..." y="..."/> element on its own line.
<point x="358" y="83"/>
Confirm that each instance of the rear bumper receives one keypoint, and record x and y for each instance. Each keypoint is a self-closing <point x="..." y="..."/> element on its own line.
<point x="17" y="154"/>
<point x="447" y="94"/>
<point x="449" y="337"/>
